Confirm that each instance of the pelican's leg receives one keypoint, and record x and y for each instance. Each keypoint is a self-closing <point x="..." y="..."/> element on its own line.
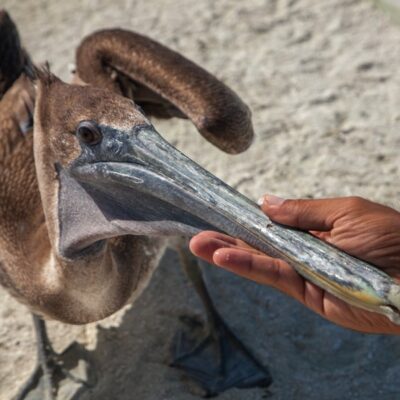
<point x="212" y="355"/>
<point x="49" y="370"/>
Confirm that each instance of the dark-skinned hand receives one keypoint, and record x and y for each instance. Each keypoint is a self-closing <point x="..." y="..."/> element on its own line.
<point x="361" y="228"/>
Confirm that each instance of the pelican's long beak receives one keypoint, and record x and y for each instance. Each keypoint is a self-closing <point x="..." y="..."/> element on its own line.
<point x="144" y="166"/>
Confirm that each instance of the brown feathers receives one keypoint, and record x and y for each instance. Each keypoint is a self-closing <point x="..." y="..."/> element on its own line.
<point x="16" y="116"/>
<point x="42" y="74"/>
<point x="166" y="84"/>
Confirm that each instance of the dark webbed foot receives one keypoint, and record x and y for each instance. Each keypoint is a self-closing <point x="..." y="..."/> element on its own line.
<point x="216" y="359"/>
<point x="53" y="368"/>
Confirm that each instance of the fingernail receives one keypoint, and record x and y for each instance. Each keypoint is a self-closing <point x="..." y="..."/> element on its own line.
<point x="260" y="201"/>
<point x="272" y="200"/>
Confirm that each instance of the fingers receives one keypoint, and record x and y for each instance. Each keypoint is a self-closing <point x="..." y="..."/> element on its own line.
<point x="236" y="256"/>
<point x="316" y="215"/>
<point x="281" y="276"/>
<point x="206" y="243"/>
<point x="262" y="269"/>
<point x="226" y="252"/>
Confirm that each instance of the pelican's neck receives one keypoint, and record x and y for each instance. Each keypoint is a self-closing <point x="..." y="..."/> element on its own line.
<point x="79" y="290"/>
<point x="72" y="290"/>
<point x="76" y="290"/>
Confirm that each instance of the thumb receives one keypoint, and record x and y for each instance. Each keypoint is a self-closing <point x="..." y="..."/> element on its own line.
<point x="318" y="215"/>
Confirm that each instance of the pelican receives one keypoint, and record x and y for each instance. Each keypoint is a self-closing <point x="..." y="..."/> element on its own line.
<point x="88" y="197"/>
<point x="76" y="245"/>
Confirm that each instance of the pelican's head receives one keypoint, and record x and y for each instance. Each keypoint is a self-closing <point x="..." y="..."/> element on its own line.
<point x="105" y="172"/>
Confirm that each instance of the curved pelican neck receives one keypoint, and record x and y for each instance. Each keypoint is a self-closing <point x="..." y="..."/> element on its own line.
<point x="216" y="111"/>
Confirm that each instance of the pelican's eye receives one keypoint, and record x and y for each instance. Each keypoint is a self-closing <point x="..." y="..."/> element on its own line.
<point x="88" y="133"/>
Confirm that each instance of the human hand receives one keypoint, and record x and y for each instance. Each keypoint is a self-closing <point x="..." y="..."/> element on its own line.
<point x="361" y="228"/>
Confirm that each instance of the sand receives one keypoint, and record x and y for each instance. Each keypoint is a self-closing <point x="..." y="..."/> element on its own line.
<point x="321" y="78"/>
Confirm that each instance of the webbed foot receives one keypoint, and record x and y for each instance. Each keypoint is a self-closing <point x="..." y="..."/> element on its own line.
<point x="216" y="359"/>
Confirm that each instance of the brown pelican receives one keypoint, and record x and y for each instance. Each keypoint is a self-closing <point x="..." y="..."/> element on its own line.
<point x="81" y="232"/>
<point x="77" y="240"/>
